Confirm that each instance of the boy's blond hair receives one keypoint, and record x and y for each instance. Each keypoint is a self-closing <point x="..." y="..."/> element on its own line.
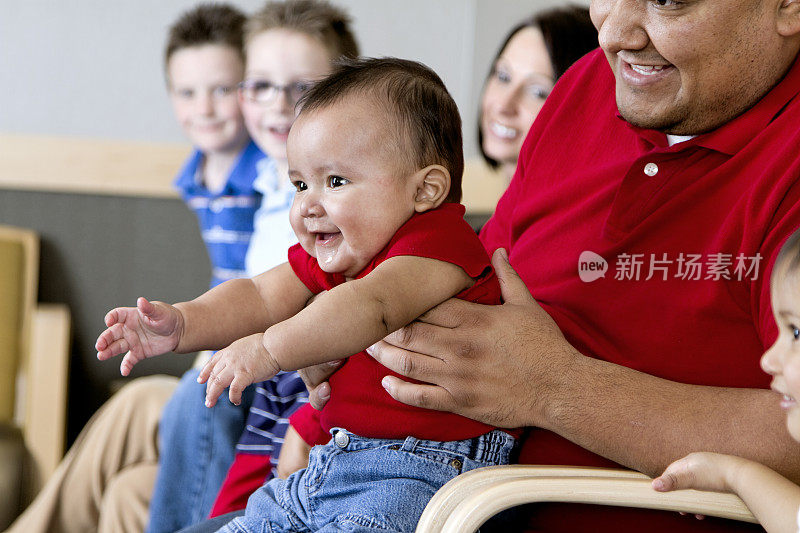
<point x="315" y="18"/>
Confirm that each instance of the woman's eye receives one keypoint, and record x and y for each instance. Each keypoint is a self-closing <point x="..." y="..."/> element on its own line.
<point x="300" y="185"/>
<point x="795" y="332"/>
<point x="185" y="94"/>
<point x="336" y="181"/>
<point x="666" y="3"/>
<point x="502" y="75"/>
<point x="537" y="91"/>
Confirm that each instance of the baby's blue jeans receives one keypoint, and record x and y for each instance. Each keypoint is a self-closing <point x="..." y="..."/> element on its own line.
<point x="359" y="484"/>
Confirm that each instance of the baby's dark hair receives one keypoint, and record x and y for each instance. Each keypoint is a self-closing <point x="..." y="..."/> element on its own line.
<point x="220" y="24"/>
<point x="427" y="118"/>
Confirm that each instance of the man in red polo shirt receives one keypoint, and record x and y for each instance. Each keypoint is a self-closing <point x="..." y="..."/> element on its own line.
<point x="652" y="194"/>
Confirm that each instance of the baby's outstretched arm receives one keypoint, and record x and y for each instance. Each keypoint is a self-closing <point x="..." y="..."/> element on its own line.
<point x="147" y="330"/>
<point x="230" y="311"/>
<point x="339" y="323"/>
<point x="772" y="498"/>
<point x="358" y="313"/>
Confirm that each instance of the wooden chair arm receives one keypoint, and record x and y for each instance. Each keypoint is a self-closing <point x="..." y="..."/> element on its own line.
<point x="466" y="502"/>
<point x="45" y="411"/>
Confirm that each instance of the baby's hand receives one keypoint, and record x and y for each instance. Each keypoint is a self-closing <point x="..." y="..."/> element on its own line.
<point x="701" y="471"/>
<point x="147" y="330"/>
<point x="244" y="362"/>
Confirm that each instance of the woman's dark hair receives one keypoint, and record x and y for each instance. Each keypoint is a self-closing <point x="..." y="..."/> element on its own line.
<point x="568" y="35"/>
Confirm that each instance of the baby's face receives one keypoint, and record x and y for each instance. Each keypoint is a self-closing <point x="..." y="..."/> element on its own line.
<point x="285" y="59"/>
<point x="202" y="88"/>
<point x="353" y="193"/>
<point x="782" y="360"/>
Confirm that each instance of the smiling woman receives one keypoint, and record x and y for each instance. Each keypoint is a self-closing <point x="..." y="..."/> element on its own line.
<point x="536" y="52"/>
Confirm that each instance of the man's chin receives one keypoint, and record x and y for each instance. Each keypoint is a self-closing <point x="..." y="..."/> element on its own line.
<point x="648" y="119"/>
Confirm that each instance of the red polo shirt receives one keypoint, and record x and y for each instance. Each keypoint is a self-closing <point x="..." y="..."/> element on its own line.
<point x="686" y="235"/>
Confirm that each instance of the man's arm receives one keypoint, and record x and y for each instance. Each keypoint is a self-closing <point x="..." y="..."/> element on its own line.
<point x="510" y="366"/>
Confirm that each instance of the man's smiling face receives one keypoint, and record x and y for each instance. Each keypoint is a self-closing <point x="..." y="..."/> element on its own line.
<point x="686" y="67"/>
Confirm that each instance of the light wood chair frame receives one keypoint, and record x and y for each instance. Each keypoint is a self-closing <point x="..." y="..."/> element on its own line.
<point x="40" y="402"/>
<point x="469" y="500"/>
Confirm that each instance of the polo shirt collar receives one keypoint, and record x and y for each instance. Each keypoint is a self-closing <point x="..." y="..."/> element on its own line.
<point x="187" y="177"/>
<point x="734" y="135"/>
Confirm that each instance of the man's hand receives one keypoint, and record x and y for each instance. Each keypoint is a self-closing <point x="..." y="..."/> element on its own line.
<point x="293" y="455"/>
<point x="316" y="380"/>
<point x="244" y="362"/>
<point x="494" y="364"/>
<point x="147" y="330"/>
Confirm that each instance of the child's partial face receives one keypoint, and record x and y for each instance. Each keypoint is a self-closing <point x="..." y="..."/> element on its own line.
<point x="353" y="193"/>
<point x="782" y="360"/>
<point x="202" y="88"/>
<point x="288" y="60"/>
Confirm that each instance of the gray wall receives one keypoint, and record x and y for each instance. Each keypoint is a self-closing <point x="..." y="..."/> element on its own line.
<point x="93" y="69"/>
<point x="99" y="252"/>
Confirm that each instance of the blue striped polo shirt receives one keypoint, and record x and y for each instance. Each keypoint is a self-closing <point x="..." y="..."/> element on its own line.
<point x="226" y="217"/>
<point x="276" y="399"/>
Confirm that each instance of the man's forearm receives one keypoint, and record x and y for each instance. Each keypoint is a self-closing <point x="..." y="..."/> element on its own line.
<point x="645" y="422"/>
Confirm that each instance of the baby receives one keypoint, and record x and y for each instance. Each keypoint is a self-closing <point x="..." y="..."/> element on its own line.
<point x="773" y="499"/>
<point x="375" y="155"/>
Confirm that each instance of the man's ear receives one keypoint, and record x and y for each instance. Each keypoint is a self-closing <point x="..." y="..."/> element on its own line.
<point x="789" y="18"/>
<point x="433" y="185"/>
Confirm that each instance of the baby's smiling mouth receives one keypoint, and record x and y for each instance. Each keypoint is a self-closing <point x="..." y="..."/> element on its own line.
<point x="323" y="238"/>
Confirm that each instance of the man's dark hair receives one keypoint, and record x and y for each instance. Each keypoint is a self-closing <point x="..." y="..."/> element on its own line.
<point x="426" y="115"/>
<point x="568" y="35"/>
<point x="220" y="24"/>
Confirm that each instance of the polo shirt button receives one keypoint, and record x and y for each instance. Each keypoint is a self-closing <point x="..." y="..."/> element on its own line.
<point x="216" y="205"/>
<point x="651" y="169"/>
<point x="341" y="439"/>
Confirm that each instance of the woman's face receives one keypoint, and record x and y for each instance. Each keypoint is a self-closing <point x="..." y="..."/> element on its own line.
<point x="520" y="80"/>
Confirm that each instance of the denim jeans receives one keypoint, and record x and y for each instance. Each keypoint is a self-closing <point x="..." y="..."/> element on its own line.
<point x="359" y="484"/>
<point x="196" y="448"/>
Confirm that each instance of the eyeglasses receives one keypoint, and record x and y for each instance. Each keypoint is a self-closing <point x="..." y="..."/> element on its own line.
<point x="264" y="92"/>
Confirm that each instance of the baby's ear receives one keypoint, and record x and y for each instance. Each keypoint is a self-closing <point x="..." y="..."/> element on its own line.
<point x="432" y="189"/>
